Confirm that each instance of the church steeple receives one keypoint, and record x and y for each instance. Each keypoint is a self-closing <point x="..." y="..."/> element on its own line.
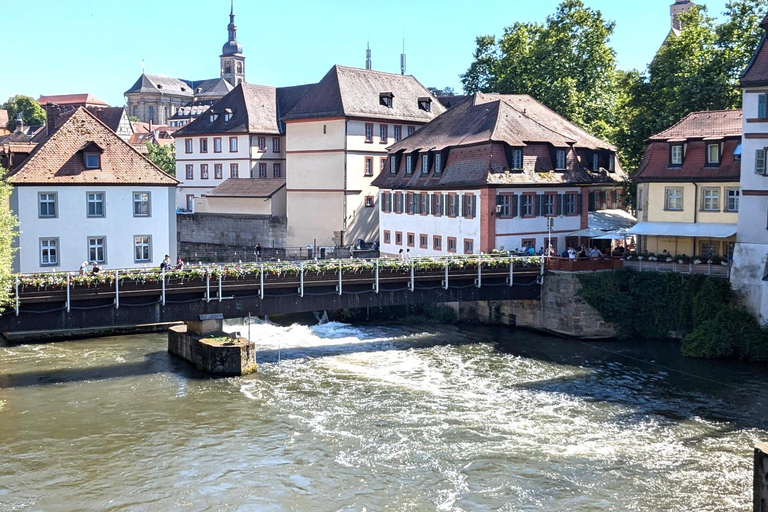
<point x="232" y="58"/>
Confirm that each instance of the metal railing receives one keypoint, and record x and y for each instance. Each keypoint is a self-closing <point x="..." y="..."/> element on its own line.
<point x="704" y="268"/>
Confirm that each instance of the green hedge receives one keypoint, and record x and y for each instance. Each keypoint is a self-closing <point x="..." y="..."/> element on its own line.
<point x="651" y="305"/>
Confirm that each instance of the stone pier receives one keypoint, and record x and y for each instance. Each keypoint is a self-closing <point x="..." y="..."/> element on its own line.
<point x="760" y="500"/>
<point x="203" y="343"/>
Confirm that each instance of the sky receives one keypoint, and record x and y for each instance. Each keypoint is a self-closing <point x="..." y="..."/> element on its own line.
<point x="97" y="46"/>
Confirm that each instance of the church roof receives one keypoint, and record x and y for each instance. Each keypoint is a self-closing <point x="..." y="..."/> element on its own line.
<point x="57" y="159"/>
<point x="354" y="92"/>
<point x="216" y="87"/>
<point x="159" y="83"/>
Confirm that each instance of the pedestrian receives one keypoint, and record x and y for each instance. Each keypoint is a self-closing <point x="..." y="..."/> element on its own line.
<point x="258" y="251"/>
<point x="401" y="255"/>
<point x="407" y="254"/>
<point x="95" y="269"/>
<point x="166" y="264"/>
<point x="84" y="268"/>
<point x="179" y="263"/>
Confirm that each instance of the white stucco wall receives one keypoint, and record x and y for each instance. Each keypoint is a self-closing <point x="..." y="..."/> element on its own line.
<point x="72" y="226"/>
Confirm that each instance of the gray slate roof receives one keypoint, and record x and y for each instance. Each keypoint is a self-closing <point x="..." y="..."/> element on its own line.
<point x="354" y="92"/>
<point x="248" y="187"/>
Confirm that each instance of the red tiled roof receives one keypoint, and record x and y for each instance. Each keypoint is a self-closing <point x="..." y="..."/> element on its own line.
<point x="248" y="187"/>
<point x="703" y="124"/>
<point x="71" y="99"/>
<point x="58" y="158"/>
<point x="655" y="166"/>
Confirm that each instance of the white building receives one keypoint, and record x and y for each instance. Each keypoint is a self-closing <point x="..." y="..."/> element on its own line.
<point x="83" y="193"/>
<point x="490" y="174"/>
<point x="750" y="258"/>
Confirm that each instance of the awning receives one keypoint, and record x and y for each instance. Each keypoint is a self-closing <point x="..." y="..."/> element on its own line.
<point x="690" y="230"/>
<point x="611" y="220"/>
<point x="616" y="235"/>
<point x="587" y="233"/>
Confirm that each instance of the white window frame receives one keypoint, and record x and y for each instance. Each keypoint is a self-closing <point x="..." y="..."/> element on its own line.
<point x="188" y="145"/>
<point x="190" y="171"/>
<point x="676" y="154"/>
<point x="673" y="196"/>
<point x="92" y="161"/>
<point x="408" y="164"/>
<point x="97" y="244"/>
<point x="710" y="199"/>
<point x="234" y="171"/>
<point x="46" y="244"/>
<point x="233" y="144"/>
<point x="760" y="161"/>
<point x="710" y="149"/>
<point x="95" y="199"/>
<point x="50" y="199"/>
<point x="425" y="163"/>
<point x="392" y="164"/>
<point x="139" y="199"/>
<point x="217" y="144"/>
<point x="560" y="159"/>
<point x="203" y="144"/>
<point x="438" y="163"/>
<point x="732" y="199"/>
<point x="275" y="144"/>
<point x="517" y="159"/>
<point x="218" y="173"/>
<point x="142" y="243"/>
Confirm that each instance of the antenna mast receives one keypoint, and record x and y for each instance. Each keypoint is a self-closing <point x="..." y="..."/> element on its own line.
<point x="402" y="59"/>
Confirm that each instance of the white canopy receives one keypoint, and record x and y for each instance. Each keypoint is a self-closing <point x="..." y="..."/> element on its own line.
<point x="611" y="220"/>
<point x="587" y="233"/>
<point x="684" y="229"/>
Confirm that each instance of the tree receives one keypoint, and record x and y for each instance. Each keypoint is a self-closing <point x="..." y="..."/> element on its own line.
<point x="565" y="63"/>
<point x="441" y="93"/>
<point x="162" y="156"/>
<point x="8" y="225"/>
<point x="31" y="112"/>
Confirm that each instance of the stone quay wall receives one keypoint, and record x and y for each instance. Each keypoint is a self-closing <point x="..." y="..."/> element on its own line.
<point x="760" y="500"/>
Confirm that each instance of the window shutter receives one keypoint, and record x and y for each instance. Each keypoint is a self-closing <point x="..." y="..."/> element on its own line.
<point x="761" y="110"/>
<point x="463" y="205"/>
<point x="559" y="204"/>
<point x="580" y="203"/>
<point x="760" y="161"/>
<point x="513" y="206"/>
<point x="537" y="206"/>
<point x="474" y="205"/>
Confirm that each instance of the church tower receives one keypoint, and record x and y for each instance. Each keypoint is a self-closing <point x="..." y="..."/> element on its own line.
<point x="676" y="8"/>
<point x="232" y="58"/>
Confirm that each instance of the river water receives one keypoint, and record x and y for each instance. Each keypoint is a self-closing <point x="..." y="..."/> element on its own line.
<point x="410" y="417"/>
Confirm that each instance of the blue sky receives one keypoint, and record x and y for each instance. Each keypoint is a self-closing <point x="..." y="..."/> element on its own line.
<point x="97" y="46"/>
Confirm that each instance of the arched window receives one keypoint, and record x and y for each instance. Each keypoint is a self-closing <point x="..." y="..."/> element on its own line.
<point x="239" y="67"/>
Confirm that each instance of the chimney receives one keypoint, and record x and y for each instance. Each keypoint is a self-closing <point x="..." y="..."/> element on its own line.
<point x="19" y="123"/>
<point x="51" y="117"/>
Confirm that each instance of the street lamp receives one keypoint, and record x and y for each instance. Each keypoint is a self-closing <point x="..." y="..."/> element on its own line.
<point x="498" y="210"/>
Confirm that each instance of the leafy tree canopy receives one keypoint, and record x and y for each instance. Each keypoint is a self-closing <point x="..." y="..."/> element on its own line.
<point x="162" y="156"/>
<point x="31" y="112"/>
<point x="8" y="225"/>
<point x="448" y="91"/>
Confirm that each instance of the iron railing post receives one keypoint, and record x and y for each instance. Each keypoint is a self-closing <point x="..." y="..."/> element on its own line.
<point x="117" y="289"/>
<point x="68" y="293"/>
<point x="261" y="281"/>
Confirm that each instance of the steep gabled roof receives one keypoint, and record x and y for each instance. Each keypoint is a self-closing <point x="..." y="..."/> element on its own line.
<point x="156" y="83"/>
<point x="248" y="187"/>
<point x="703" y="124"/>
<point x="109" y="116"/>
<point x="216" y="87"/>
<point x="58" y="160"/>
<point x="71" y="99"/>
<point x="756" y="73"/>
<point x="354" y="92"/>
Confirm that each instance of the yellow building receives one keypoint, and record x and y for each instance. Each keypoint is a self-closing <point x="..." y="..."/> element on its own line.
<point x="688" y="186"/>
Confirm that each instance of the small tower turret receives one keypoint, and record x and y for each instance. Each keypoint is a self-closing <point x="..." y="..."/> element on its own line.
<point x="232" y="58"/>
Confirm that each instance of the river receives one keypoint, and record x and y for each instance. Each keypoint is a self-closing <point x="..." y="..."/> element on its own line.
<point x="400" y="417"/>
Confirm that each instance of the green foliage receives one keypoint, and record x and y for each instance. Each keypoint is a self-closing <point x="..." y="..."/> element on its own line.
<point x="31" y="112"/>
<point x="162" y="156"/>
<point x="439" y="93"/>
<point x="134" y="119"/>
<point x="650" y="305"/>
<point x="8" y="225"/>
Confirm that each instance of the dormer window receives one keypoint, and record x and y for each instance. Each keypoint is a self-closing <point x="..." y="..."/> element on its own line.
<point x="408" y="164"/>
<point x="425" y="104"/>
<point x="92" y="161"/>
<point x="595" y="162"/>
<point x="385" y="99"/>
<point x="676" y="154"/>
<point x="560" y="159"/>
<point x="517" y="159"/>
<point x="425" y="163"/>
<point x="438" y="163"/>
<point x="713" y="154"/>
<point x="214" y="116"/>
<point x="227" y="117"/>
<point x="392" y="164"/>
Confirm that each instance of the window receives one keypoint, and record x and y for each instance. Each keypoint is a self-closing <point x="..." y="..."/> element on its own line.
<point x="450" y="204"/>
<point x="760" y="161"/>
<point x="398" y="202"/>
<point x="549" y="204"/>
<point x="424" y="203"/>
<point x="141" y="204"/>
<point x="151" y="113"/>
<point x="570" y="203"/>
<point x="382" y="164"/>
<point x="674" y="198"/>
<point x="468" y="206"/>
<point x="526" y="206"/>
<point x="275" y="144"/>
<point x="408" y="164"/>
<point x="409" y="203"/>
<point x="713" y="154"/>
<point x="411" y="129"/>
<point x="386" y="201"/>
<point x="262" y="170"/>
<point x="142" y="248"/>
<point x="411" y="240"/>
<point x="95" y="204"/>
<point x="504" y="201"/>
<point x="425" y="104"/>
<point x="761" y="110"/>
<point x="731" y="199"/>
<point x="217" y="145"/>
<point x="190" y="202"/>
<point x="368" y="132"/>
<point x="233" y="171"/>
<point x="233" y="144"/>
<point x="96" y="250"/>
<point x="262" y="144"/>
<point x="676" y="155"/>
<point x="92" y="161"/>
<point x="528" y="243"/>
<point x="203" y="171"/>
<point x="437" y="243"/>
<point x="369" y="201"/>
<point x="368" y="166"/>
<point x="517" y="159"/>
<point x="398" y="133"/>
<point x="423" y="241"/>
<point x="392" y="165"/>
<point x="203" y="145"/>
<point x="451" y="244"/>
<point x="239" y="67"/>
<point x="190" y="172"/>
<point x="49" y="251"/>
<point x="469" y="246"/>
<point x="710" y="199"/>
<point x="595" y="162"/>
<point x="135" y="111"/>
<point x="385" y="99"/>
<point x="383" y="133"/>
<point x="217" y="171"/>
<point x="437" y="204"/>
<point x="387" y="237"/>
<point x="227" y="117"/>
<point x="560" y="159"/>
<point x="214" y="116"/>
<point x="398" y="238"/>
<point x="416" y="207"/>
<point x="276" y="171"/>
<point x="425" y="163"/>
<point x="47" y="204"/>
<point x="187" y="145"/>
<point x="438" y="163"/>
<point x="639" y="198"/>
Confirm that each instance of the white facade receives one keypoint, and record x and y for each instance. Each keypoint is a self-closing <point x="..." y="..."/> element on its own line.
<point x="125" y="226"/>
<point x="750" y="258"/>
